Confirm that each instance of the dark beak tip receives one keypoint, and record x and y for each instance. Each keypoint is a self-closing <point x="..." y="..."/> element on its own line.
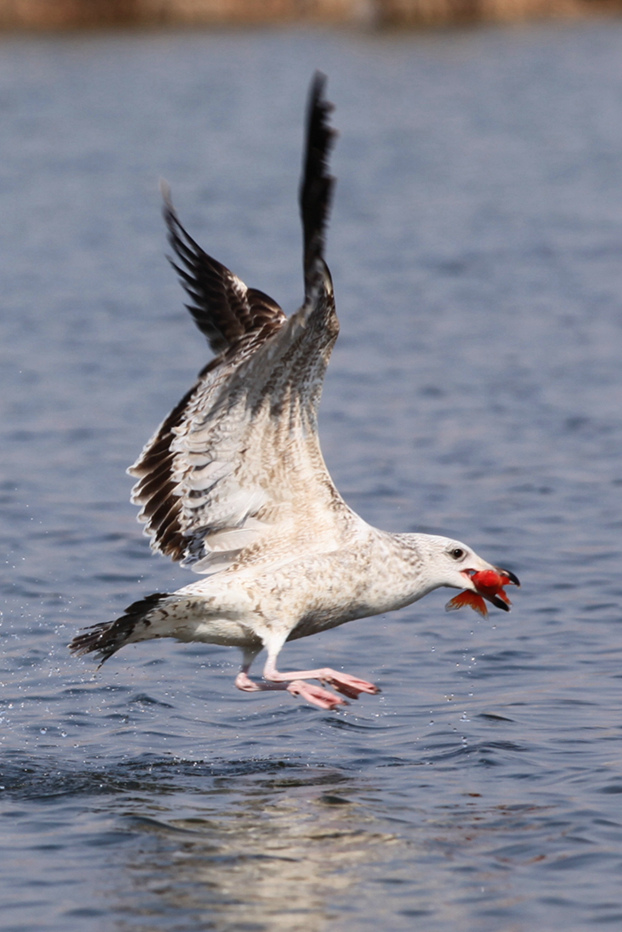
<point x="510" y="575"/>
<point x="499" y="603"/>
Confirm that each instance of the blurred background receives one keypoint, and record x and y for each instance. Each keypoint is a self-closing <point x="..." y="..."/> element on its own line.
<point x="475" y="391"/>
<point x="63" y="14"/>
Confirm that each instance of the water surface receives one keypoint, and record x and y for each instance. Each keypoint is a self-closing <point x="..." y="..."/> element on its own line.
<point x="475" y="391"/>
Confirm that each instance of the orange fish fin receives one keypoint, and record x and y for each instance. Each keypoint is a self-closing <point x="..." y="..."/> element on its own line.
<point x="472" y="599"/>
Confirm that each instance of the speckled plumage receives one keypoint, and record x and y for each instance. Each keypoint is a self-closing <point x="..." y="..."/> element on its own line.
<point x="234" y="485"/>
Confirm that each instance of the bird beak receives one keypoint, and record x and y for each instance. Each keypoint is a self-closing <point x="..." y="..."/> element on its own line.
<point x="510" y="575"/>
<point x="493" y="592"/>
<point x="497" y="602"/>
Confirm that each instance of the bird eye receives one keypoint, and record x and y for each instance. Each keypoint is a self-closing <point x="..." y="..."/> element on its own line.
<point x="457" y="553"/>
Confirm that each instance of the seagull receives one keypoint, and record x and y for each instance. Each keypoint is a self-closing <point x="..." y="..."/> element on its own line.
<point x="233" y="483"/>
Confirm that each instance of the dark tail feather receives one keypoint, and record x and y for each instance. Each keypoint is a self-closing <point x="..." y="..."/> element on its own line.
<point x="316" y="186"/>
<point x="107" y="637"/>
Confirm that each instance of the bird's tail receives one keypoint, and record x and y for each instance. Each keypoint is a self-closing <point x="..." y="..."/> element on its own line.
<point x="107" y="637"/>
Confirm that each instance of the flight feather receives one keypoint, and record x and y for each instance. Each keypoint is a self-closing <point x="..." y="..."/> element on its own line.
<point x="237" y="463"/>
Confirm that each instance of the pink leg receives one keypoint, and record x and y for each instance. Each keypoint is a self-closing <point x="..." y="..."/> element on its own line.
<point x="350" y="686"/>
<point x="322" y="698"/>
<point x="245" y="683"/>
<point x="294" y="683"/>
<point x="313" y="694"/>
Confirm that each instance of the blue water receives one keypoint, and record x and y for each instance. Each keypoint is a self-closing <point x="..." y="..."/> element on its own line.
<point x="476" y="391"/>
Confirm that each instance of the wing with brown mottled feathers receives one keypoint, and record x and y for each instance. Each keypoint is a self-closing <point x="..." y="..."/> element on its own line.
<point x="235" y="473"/>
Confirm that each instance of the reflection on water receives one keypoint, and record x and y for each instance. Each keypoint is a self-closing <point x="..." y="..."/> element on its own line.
<point x="280" y="857"/>
<point x="267" y="846"/>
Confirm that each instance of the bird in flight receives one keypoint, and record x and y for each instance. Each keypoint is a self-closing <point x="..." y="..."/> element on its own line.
<point x="233" y="483"/>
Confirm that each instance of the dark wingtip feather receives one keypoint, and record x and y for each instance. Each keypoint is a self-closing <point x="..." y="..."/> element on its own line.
<point x="191" y="259"/>
<point x="316" y="186"/>
<point x="223" y="308"/>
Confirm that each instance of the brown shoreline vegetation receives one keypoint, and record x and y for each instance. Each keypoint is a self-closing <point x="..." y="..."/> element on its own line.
<point x="76" y="14"/>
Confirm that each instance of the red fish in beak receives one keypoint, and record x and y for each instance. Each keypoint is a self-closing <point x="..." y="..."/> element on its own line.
<point x="490" y="584"/>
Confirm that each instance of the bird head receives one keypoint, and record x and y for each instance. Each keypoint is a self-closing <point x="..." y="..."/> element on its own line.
<point x="458" y="566"/>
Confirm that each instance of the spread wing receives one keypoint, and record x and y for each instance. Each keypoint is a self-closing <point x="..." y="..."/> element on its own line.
<point x="223" y="308"/>
<point x="235" y="473"/>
